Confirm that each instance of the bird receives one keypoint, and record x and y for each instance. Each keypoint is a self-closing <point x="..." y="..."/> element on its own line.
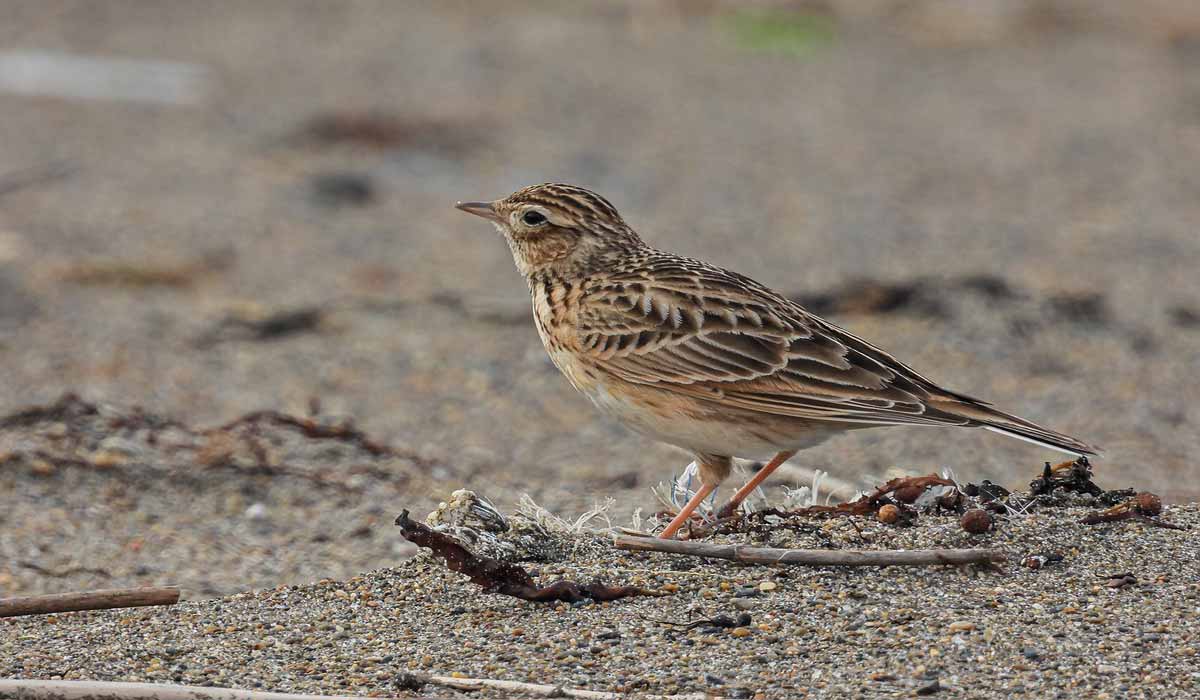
<point x="706" y="359"/>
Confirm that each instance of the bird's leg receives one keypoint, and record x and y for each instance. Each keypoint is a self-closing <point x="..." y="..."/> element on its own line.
<point x="713" y="470"/>
<point x="678" y="521"/>
<point x="732" y="505"/>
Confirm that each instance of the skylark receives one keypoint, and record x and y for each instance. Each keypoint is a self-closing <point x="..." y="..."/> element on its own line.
<point x="706" y="359"/>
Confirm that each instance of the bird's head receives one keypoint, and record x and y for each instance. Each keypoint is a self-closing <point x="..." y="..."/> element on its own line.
<point x="557" y="226"/>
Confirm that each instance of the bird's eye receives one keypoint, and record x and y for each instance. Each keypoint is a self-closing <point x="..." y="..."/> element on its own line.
<point x="534" y="218"/>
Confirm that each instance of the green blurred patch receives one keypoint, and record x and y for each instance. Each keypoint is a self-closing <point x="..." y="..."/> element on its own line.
<point x="779" y="31"/>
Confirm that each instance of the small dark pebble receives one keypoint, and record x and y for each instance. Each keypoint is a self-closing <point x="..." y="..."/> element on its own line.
<point x="747" y="593"/>
<point x="739" y="693"/>
<point x="713" y="680"/>
<point x="931" y="688"/>
<point x="1031" y="653"/>
<point x="408" y="681"/>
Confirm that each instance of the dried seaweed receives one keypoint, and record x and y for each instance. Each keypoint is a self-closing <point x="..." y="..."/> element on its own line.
<point x="871" y="502"/>
<point x="506" y="578"/>
<point x="345" y="432"/>
<point x="1074" y="476"/>
<point x="217" y="447"/>
<point x="1142" y="508"/>
<point x="274" y="325"/>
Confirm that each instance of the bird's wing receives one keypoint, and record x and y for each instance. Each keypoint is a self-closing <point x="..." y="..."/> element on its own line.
<point x="701" y="331"/>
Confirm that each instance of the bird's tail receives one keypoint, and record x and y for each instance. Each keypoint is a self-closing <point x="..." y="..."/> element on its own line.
<point x="986" y="417"/>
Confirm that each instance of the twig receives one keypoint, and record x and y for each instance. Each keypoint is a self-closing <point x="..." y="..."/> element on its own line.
<point x="90" y="690"/>
<point x="63" y="573"/>
<point x="811" y="557"/>
<point x="548" y="691"/>
<point x="88" y="600"/>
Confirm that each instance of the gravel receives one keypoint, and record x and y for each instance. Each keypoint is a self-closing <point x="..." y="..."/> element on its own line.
<point x="1057" y="631"/>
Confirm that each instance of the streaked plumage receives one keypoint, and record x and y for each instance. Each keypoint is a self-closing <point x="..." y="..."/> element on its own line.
<point x="704" y="358"/>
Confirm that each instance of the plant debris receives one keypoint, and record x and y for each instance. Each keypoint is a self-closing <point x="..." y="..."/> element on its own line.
<point x="1142" y="508"/>
<point x="1074" y="476"/>
<point x="872" y="502"/>
<point x="506" y="578"/>
<point x="142" y="274"/>
<point x="901" y="500"/>
<point x="1038" y="561"/>
<point x="1120" y="580"/>
<point x="716" y="622"/>
<point x="94" y="436"/>
<point x="260" y="326"/>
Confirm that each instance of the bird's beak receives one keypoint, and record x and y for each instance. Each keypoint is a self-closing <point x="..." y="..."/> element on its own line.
<point x="484" y="209"/>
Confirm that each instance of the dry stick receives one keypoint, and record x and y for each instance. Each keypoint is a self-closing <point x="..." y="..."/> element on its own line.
<point x="89" y="690"/>
<point x="811" y="557"/>
<point x="88" y="600"/>
<point x="548" y="691"/>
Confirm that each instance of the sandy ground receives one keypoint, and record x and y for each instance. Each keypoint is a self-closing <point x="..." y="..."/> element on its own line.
<point x="1017" y="196"/>
<point x="1058" y="631"/>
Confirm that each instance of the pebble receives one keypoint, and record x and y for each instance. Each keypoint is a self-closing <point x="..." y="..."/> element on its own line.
<point x="1039" y="628"/>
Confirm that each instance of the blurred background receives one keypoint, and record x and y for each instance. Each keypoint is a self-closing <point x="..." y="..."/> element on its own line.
<point x="208" y="209"/>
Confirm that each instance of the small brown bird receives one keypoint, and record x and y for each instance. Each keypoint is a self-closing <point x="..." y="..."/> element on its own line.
<point x="704" y="358"/>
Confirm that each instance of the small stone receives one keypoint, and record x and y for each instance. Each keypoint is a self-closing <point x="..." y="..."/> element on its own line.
<point x="1107" y="670"/>
<point x="1031" y="653"/>
<point x="256" y="511"/>
<point x="740" y="632"/>
<point x="930" y="689"/>
<point x="962" y="626"/>
<point x="888" y="514"/>
<point x="107" y="459"/>
<point x="767" y="586"/>
<point x="976" y="521"/>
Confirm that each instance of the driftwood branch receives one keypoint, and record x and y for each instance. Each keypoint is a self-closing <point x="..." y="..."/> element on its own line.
<point x="90" y="690"/>
<point x="811" y="557"/>
<point x="88" y="600"/>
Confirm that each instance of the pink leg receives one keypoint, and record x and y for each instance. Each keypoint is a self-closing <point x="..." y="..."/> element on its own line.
<point x="687" y="511"/>
<point x="731" y="507"/>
